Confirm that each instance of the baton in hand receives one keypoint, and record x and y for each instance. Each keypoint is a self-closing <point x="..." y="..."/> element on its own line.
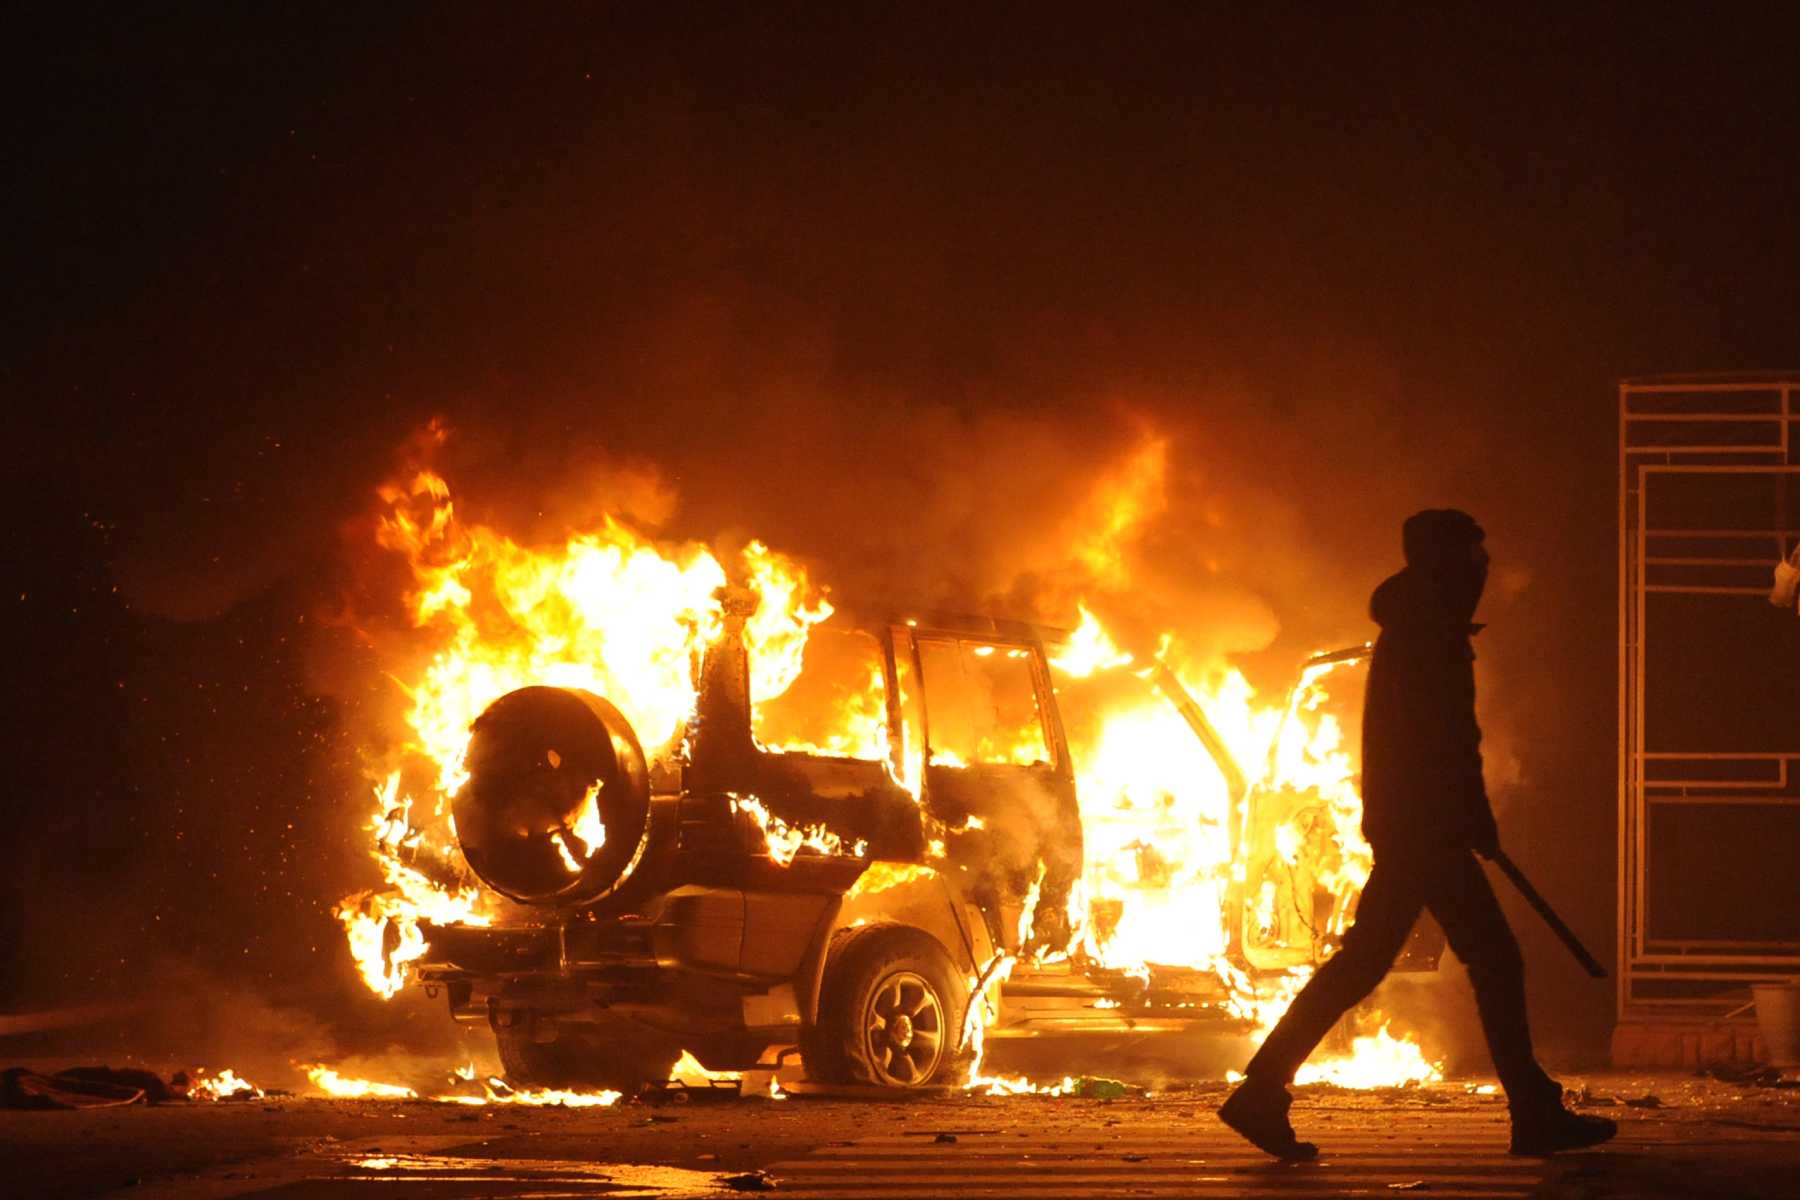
<point x="1511" y="870"/>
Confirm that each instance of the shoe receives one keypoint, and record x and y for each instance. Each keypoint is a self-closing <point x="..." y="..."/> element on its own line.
<point x="1537" y="1132"/>
<point x="1259" y="1113"/>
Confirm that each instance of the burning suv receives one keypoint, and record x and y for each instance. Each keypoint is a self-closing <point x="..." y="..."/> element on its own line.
<point x="880" y="895"/>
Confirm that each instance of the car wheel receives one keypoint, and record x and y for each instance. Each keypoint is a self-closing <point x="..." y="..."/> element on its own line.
<point x="614" y="1056"/>
<point x="890" y="1011"/>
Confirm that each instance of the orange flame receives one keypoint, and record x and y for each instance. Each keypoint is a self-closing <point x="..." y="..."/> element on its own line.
<point x="786" y="841"/>
<point x="222" y="1085"/>
<point x="494" y="1091"/>
<point x="344" y="1087"/>
<point x="607" y="611"/>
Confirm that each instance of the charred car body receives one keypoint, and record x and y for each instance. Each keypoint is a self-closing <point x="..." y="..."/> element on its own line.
<point x="742" y="903"/>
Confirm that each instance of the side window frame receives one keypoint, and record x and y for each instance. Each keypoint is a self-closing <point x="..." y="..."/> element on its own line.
<point x="906" y="639"/>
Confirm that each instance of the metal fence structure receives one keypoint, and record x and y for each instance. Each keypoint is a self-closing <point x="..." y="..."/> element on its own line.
<point x="1709" y="692"/>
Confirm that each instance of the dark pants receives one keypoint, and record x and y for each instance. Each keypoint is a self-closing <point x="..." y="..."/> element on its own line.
<point x="1401" y="884"/>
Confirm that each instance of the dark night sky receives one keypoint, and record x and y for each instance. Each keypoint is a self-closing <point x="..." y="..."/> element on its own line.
<point x="822" y="268"/>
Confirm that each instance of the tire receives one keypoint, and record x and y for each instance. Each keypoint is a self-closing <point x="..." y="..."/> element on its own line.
<point x="612" y="1055"/>
<point x="890" y="1011"/>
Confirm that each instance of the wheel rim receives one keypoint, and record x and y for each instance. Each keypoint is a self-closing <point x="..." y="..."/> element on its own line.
<point x="903" y="1026"/>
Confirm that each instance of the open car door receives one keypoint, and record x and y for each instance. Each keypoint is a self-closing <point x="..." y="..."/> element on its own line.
<point x="1298" y="849"/>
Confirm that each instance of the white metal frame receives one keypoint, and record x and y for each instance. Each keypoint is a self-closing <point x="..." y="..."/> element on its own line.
<point x="1739" y="425"/>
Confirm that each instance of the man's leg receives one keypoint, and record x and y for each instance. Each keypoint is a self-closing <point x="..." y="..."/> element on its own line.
<point x="1258" y="1108"/>
<point x="1386" y="913"/>
<point x="1459" y="895"/>
<point x="1462" y="900"/>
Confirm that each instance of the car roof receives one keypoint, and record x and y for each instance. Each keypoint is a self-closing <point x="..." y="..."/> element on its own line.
<point x="926" y="622"/>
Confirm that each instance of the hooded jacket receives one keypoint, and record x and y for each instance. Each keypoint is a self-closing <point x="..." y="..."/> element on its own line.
<point x="1422" y="785"/>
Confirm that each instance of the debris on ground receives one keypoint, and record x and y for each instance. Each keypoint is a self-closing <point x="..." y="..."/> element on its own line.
<point x="749" y="1181"/>
<point x="225" y="1085"/>
<point x="677" y="1091"/>
<point x="1647" y="1100"/>
<point x="1587" y="1098"/>
<point x="20" y="1088"/>
<point x="149" y="1082"/>
<point x="1754" y="1075"/>
<point x="103" y="1087"/>
<point x="1099" y="1087"/>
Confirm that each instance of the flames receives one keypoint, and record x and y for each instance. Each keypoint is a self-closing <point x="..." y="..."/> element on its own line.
<point x="226" y="1084"/>
<point x="1157" y="813"/>
<point x="497" y="1091"/>
<point x="777" y="631"/>
<point x="609" y="611"/>
<point x="785" y="840"/>
<point x="328" y="1082"/>
<point x="586" y="833"/>
<point x="383" y="927"/>
<point x="1378" y="1060"/>
<point x="467" y="1085"/>
<point x="1157" y="808"/>
<point x="612" y="611"/>
<point x="343" y="1087"/>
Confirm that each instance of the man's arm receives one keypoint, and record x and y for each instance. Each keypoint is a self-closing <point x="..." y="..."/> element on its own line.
<point x="1447" y="726"/>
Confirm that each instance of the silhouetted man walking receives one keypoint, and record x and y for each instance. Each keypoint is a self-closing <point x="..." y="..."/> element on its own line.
<point x="1426" y="814"/>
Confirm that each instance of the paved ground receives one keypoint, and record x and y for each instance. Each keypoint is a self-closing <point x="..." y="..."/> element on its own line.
<point x="1695" y="1137"/>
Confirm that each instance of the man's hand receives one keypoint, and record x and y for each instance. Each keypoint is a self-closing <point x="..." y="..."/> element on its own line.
<point x="1487" y="838"/>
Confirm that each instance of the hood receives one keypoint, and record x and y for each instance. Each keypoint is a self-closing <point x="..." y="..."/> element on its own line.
<point x="1414" y="600"/>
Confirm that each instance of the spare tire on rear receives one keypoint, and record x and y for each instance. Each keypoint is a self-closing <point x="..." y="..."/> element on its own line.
<point x="890" y="1011"/>
<point x="557" y="803"/>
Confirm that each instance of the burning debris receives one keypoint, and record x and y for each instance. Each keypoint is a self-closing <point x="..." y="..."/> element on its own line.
<point x="108" y="1087"/>
<point x="1375" y="1060"/>
<point x="465" y="1088"/>
<point x="330" y="1083"/>
<point x="1138" y="842"/>
<point x="223" y="1085"/>
<point x="467" y="1085"/>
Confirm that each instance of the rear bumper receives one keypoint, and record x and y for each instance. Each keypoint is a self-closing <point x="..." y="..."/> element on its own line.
<point x="1061" y="1001"/>
<point x="611" y="973"/>
<point x="462" y="952"/>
